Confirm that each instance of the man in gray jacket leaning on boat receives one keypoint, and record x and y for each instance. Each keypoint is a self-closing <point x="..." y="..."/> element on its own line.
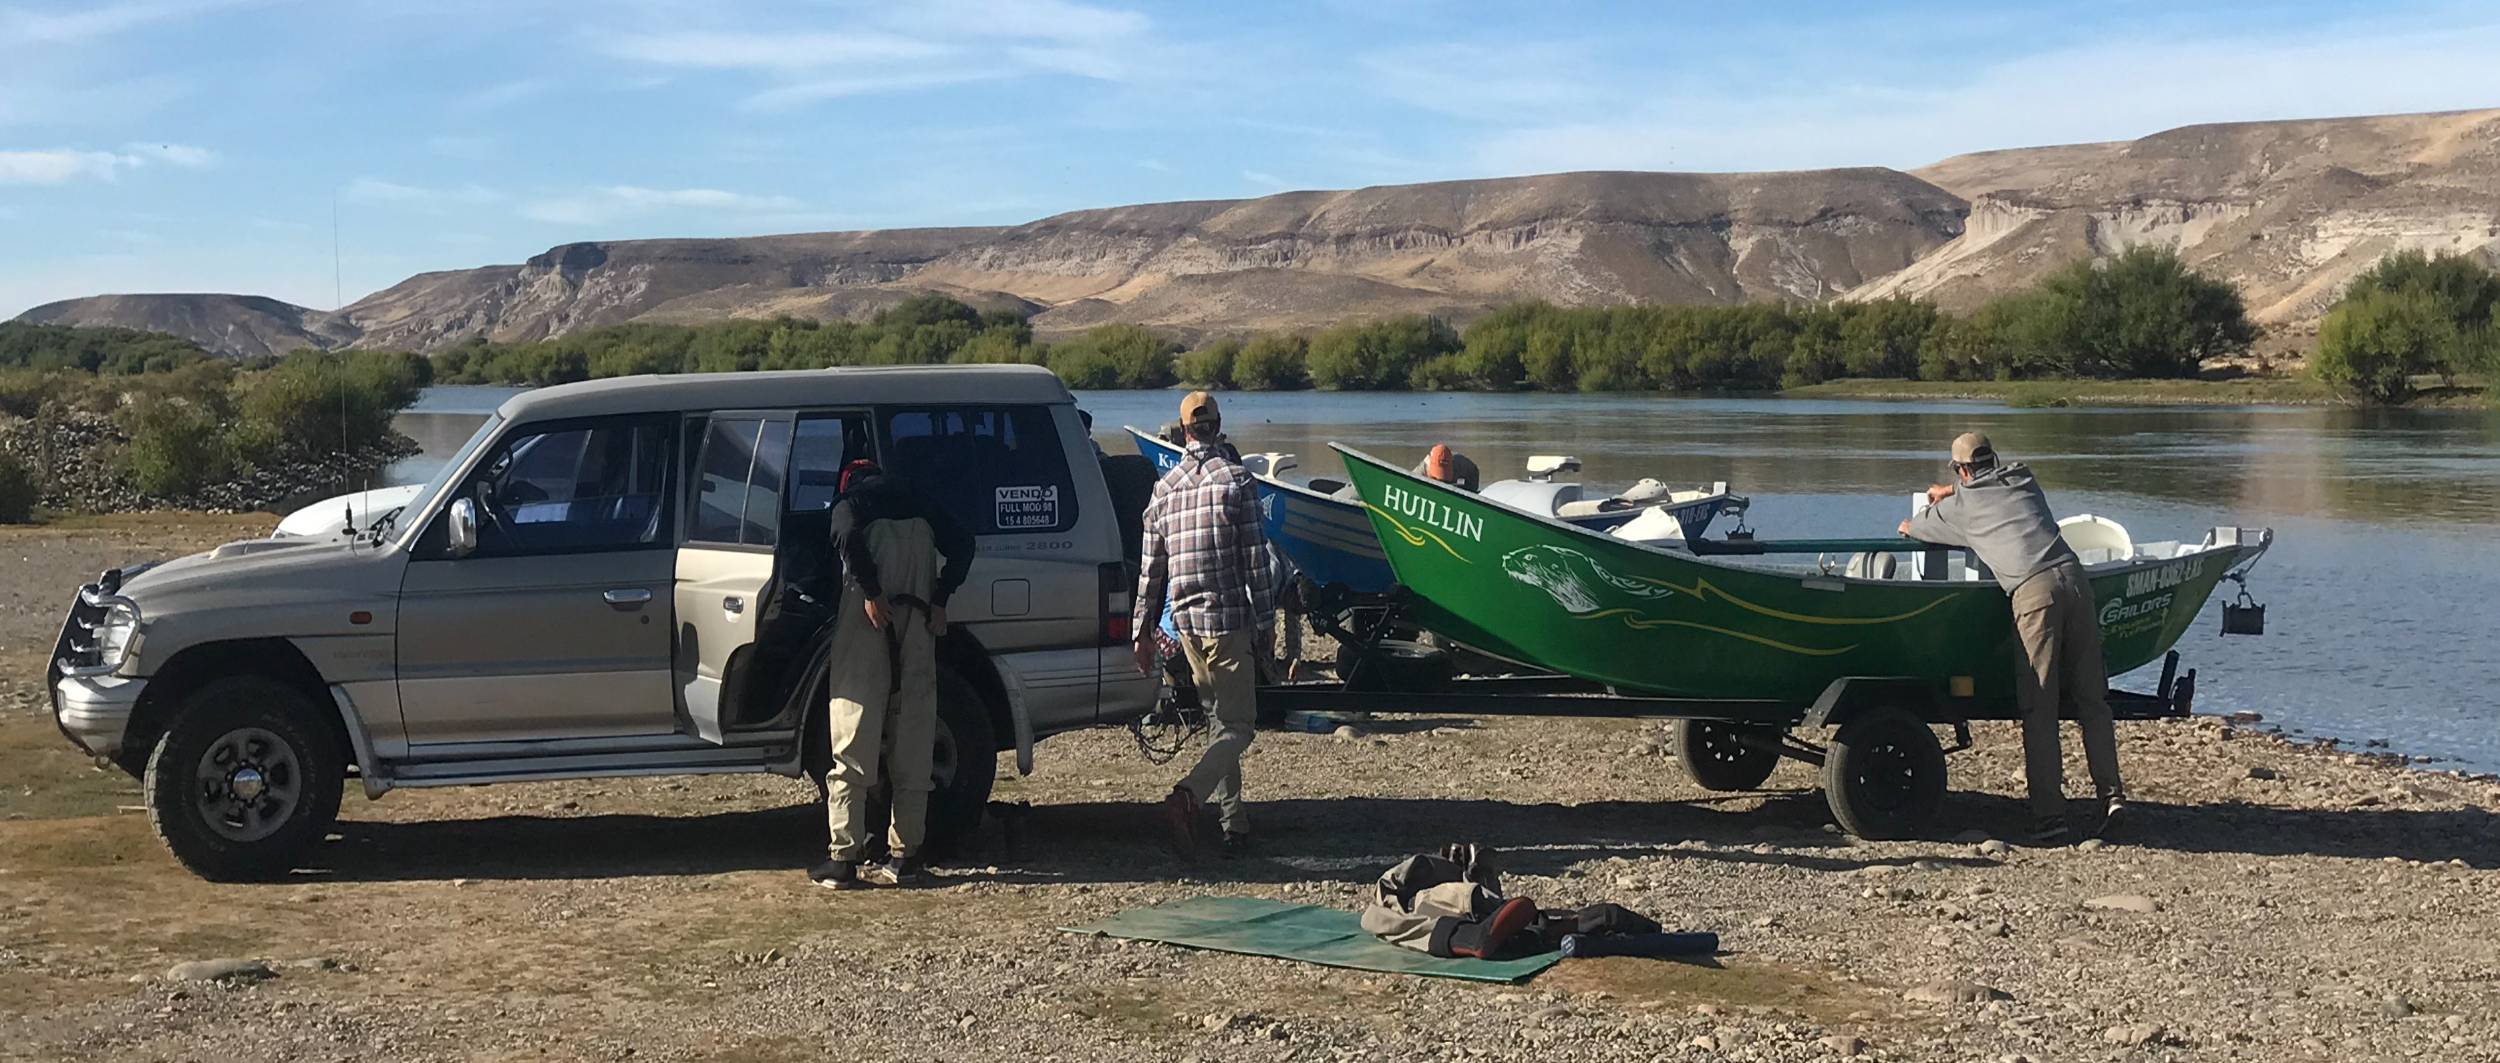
<point x="1997" y="511"/>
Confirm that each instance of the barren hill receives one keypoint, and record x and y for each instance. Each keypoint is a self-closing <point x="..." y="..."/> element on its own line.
<point x="239" y="325"/>
<point x="2287" y="210"/>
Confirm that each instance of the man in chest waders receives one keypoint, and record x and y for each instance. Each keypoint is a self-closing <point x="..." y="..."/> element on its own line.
<point x="1997" y="511"/>
<point x="902" y="557"/>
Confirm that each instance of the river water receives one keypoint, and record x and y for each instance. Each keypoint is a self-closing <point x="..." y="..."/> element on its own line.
<point x="2383" y="587"/>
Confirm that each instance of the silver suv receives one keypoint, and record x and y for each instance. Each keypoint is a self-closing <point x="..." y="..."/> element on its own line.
<point x="619" y="577"/>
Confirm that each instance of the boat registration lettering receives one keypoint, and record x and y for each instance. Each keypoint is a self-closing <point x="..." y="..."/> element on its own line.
<point x="1431" y="512"/>
<point x="2165" y="577"/>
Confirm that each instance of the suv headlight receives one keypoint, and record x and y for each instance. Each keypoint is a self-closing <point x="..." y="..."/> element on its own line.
<point x="112" y="637"/>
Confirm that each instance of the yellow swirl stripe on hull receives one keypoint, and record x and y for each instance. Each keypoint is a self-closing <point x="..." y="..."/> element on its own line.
<point x="1703" y="589"/>
<point x="1414" y="536"/>
<point x="1637" y="622"/>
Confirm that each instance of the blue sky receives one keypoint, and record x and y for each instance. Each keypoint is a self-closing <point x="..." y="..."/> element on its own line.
<point x="200" y="145"/>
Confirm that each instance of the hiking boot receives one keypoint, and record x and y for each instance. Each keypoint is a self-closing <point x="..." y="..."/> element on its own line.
<point x="835" y="874"/>
<point x="2113" y="807"/>
<point x="1180" y="820"/>
<point x="903" y="872"/>
<point x="1499" y="929"/>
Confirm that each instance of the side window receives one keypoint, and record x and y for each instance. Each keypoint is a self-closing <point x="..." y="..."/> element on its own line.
<point x="996" y="468"/>
<point x="738" y="481"/>
<point x="825" y="444"/>
<point x="599" y="486"/>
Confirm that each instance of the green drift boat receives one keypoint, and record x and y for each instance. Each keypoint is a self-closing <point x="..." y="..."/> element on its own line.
<point x="1691" y="623"/>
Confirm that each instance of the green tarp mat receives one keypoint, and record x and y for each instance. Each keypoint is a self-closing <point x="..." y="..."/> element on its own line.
<point x="1302" y="932"/>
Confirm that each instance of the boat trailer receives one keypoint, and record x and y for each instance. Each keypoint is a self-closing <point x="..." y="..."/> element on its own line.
<point x="1883" y="767"/>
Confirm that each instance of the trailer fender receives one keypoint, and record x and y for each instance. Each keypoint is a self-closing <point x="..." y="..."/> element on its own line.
<point x="1849" y="696"/>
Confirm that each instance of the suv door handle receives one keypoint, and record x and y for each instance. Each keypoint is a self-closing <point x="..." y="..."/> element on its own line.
<point x="628" y="597"/>
<point x="733" y="604"/>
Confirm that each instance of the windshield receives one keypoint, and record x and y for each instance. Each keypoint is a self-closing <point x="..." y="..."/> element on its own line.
<point x="442" y="477"/>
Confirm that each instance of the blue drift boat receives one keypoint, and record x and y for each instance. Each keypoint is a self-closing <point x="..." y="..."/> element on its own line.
<point x="1324" y="531"/>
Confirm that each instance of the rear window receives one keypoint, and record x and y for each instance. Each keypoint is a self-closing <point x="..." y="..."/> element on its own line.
<point x="998" y="469"/>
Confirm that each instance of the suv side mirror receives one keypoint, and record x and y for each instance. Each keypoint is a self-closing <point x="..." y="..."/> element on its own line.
<point x="460" y="527"/>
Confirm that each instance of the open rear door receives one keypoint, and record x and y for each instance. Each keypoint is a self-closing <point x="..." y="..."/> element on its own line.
<point x="725" y="564"/>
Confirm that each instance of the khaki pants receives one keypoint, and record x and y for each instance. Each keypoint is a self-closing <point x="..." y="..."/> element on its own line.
<point x="1226" y="672"/>
<point x="877" y="715"/>
<point x="2061" y="639"/>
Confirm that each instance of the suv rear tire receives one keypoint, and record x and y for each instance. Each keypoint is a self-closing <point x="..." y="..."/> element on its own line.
<point x="966" y="760"/>
<point x="966" y="764"/>
<point x="244" y="779"/>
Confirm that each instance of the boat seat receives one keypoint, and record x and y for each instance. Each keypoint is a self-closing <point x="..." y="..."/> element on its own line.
<point x="1590" y="507"/>
<point x="1326" y="486"/>
<point x="1549" y="464"/>
<point x="2096" y="540"/>
<point x="1872" y="565"/>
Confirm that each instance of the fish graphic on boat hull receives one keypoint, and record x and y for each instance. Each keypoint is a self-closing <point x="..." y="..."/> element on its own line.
<point x="1573" y="579"/>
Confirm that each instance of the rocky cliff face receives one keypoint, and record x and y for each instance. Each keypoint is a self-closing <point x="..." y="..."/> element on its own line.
<point x="2287" y="210"/>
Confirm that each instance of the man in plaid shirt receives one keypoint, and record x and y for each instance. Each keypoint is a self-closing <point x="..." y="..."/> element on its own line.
<point x="1206" y="552"/>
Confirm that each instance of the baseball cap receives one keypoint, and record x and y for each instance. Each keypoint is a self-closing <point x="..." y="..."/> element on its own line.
<point x="1971" y="448"/>
<point x="1199" y="406"/>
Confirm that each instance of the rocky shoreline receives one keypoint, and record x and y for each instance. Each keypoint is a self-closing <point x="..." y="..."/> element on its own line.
<point x="71" y="455"/>
<point x="2267" y="900"/>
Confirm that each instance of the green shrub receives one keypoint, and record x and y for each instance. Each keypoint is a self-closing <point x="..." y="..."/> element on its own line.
<point x="320" y="404"/>
<point x="1211" y="365"/>
<point x="1378" y="355"/>
<point x="1447" y="372"/>
<point x="175" y="448"/>
<point x="23" y="392"/>
<point x="18" y="492"/>
<point x="1273" y="361"/>
<point x="2371" y="345"/>
<point x="1084" y="368"/>
<point x="117" y="351"/>
<point x="1115" y="356"/>
<point x="2459" y="288"/>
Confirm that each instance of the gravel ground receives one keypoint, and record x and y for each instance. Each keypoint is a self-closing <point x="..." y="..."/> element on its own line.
<point x="2267" y="901"/>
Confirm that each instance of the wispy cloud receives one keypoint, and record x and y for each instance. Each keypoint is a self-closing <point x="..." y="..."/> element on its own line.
<point x="801" y="93"/>
<point x="1157" y="165"/>
<point x="378" y="191"/>
<point x="102" y="20"/>
<point x="1265" y="179"/>
<point x="2137" y="88"/>
<point x="615" y="202"/>
<point x="1479" y="83"/>
<point x="909" y="47"/>
<point x="62" y="165"/>
<point x="503" y="94"/>
<point x="770" y="51"/>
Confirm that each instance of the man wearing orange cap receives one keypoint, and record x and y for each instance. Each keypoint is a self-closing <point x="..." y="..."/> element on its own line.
<point x="1205" y="551"/>
<point x="1448" y="466"/>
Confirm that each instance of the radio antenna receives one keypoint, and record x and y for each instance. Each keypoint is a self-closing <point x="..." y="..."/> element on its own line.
<point x="338" y="302"/>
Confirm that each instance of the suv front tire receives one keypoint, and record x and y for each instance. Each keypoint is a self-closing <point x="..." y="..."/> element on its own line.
<point x="244" y="779"/>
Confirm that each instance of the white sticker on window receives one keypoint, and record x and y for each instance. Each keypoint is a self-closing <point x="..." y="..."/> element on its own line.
<point x="1028" y="507"/>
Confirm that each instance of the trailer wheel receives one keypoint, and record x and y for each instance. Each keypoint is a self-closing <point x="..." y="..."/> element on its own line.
<point x="1884" y="775"/>
<point x="1716" y="755"/>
